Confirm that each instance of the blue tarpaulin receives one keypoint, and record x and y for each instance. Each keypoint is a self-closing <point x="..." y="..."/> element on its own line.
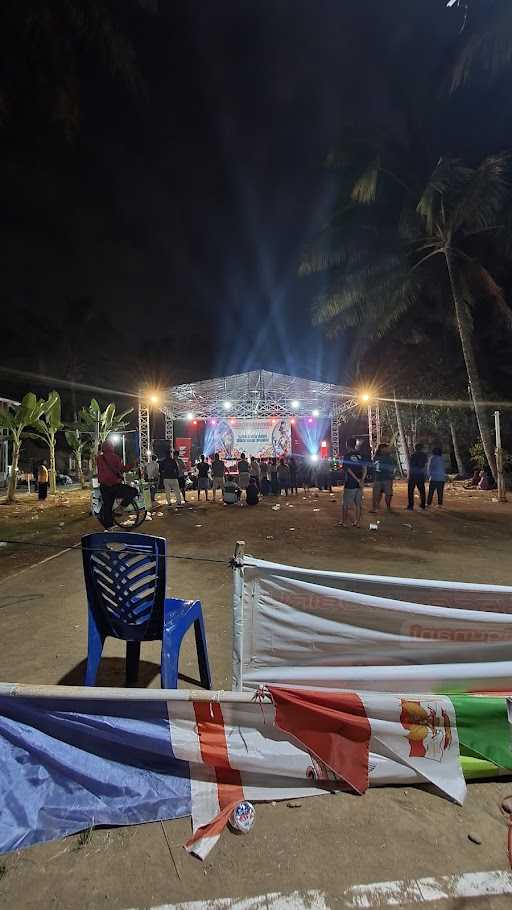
<point x="67" y="764"/>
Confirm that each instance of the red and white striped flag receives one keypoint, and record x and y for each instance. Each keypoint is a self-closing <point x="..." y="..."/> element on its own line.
<point x="307" y="743"/>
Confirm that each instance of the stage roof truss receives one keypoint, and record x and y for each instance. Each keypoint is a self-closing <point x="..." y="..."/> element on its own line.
<point x="258" y="394"/>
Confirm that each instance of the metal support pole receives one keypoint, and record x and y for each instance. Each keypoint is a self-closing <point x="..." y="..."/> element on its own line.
<point x="502" y="496"/>
<point x="374" y="435"/>
<point x="144" y="438"/>
<point x="335" y="436"/>
<point x="169" y="429"/>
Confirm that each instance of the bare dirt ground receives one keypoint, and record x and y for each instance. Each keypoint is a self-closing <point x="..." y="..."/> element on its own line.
<point x="327" y="843"/>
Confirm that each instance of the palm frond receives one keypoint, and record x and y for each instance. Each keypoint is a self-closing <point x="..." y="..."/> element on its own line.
<point x="483" y="195"/>
<point x="488" y="48"/>
<point x="446" y="181"/>
<point x="329" y="249"/>
<point x="495" y="293"/>
<point x="367" y="295"/>
<point x="364" y="190"/>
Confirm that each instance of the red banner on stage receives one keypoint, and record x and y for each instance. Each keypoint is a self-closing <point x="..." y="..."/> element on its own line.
<point x="184" y="445"/>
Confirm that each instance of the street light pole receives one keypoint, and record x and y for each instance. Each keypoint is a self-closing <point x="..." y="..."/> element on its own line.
<point x="502" y="496"/>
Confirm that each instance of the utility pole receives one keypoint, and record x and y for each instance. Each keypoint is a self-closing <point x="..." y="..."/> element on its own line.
<point x="502" y="496"/>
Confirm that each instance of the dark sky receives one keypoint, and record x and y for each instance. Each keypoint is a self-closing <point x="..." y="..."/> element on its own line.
<point x="182" y="212"/>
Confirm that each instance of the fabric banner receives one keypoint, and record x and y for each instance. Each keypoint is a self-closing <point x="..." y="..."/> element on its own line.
<point x="290" y="630"/>
<point x="184" y="446"/>
<point x="70" y="763"/>
<point x="261" y="437"/>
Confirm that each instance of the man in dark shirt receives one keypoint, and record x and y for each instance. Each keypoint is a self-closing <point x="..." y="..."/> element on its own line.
<point x="417" y="472"/>
<point x="170" y="471"/>
<point x="355" y="467"/>
<point x="252" y="496"/>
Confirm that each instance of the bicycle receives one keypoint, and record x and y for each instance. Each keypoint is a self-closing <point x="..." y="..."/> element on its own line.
<point x="125" y="517"/>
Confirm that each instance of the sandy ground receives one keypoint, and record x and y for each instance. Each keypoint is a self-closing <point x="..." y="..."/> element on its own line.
<point x="326" y="843"/>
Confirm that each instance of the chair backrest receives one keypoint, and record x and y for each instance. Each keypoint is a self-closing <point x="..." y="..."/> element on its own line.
<point x="125" y="577"/>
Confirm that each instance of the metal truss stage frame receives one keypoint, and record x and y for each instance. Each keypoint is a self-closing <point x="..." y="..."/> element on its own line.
<point x="259" y="393"/>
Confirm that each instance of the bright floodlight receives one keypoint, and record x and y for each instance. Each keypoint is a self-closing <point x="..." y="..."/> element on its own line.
<point x="365" y="397"/>
<point x="316" y="412"/>
<point x="226" y="405"/>
<point x="295" y="404"/>
<point x="115" y="437"/>
<point x="314" y="457"/>
<point x="190" y="415"/>
<point x="148" y="453"/>
<point x="154" y="398"/>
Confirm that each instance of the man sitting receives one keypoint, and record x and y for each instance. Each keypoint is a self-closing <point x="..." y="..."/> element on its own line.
<point x="231" y="493"/>
<point x="252" y="496"/>
<point x="110" y="475"/>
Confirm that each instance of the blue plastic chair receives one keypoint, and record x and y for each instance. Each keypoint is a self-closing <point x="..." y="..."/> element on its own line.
<point x="125" y="577"/>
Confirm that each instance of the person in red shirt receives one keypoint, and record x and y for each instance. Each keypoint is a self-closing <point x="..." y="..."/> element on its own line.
<point x="110" y="475"/>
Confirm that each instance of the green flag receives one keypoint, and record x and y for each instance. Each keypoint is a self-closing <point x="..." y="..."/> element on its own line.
<point x="483" y="728"/>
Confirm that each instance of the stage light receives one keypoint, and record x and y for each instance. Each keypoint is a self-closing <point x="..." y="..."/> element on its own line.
<point x="190" y="415"/>
<point x="148" y="452"/>
<point x="213" y="421"/>
<point x="115" y="437"/>
<point x="295" y="404"/>
<point x="316" y="412"/>
<point x="273" y="420"/>
<point x="314" y="457"/>
<point x="154" y="398"/>
<point x="292" y="420"/>
<point x="232" y="422"/>
<point x="310" y="420"/>
<point x="324" y="444"/>
<point x="195" y="423"/>
<point x="227" y="405"/>
<point x="365" y="397"/>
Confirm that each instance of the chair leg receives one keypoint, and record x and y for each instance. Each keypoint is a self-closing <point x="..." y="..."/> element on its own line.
<point x="95" y="641"/>
<point x="132" y="662"/>
<point x="202" y="653"/>
<point x="169" y="664"/>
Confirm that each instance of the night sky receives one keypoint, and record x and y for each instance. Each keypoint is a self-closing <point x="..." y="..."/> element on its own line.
<point x="180" y="211"/>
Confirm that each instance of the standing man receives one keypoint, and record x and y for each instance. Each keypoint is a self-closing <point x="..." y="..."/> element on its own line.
<point x="437" y="476"/>
<point x="169" y="469"/>
<point x="255" y="471"/>
<point x="153" y="476"/>
<point x="110" y="475"/>
<point x="243" y="472"/>
<point x="218" y="472"/>
<point x="417" y="473"/>
<point x="384" y="474"/>
<point x="181" y="473"/>
<point x="283" y="476"/>
<point x="355" y="466"/>
<point x="292" y="464"/>
<point x="42" y="481"/>
<point x="203" y="475"/>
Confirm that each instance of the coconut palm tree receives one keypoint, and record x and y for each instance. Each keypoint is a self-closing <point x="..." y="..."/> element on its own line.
<point x="427" y="258"/>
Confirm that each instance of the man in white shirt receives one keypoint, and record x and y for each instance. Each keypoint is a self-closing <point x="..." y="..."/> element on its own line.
<point x="153" y="476"/>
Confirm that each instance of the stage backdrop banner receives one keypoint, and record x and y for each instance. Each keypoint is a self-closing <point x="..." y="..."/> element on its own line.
<point x="305" y="628"/>
<point x="261" y="437"/>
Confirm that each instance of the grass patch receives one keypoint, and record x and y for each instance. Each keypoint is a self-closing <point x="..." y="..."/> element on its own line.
<point x="84" y="838"/>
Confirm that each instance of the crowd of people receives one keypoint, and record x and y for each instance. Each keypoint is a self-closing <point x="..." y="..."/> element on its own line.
<point x="247" y="480"/>
<point x="251" y="478"/>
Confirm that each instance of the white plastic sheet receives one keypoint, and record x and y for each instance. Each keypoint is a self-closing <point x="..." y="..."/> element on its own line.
<point x="302" y="627"/>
